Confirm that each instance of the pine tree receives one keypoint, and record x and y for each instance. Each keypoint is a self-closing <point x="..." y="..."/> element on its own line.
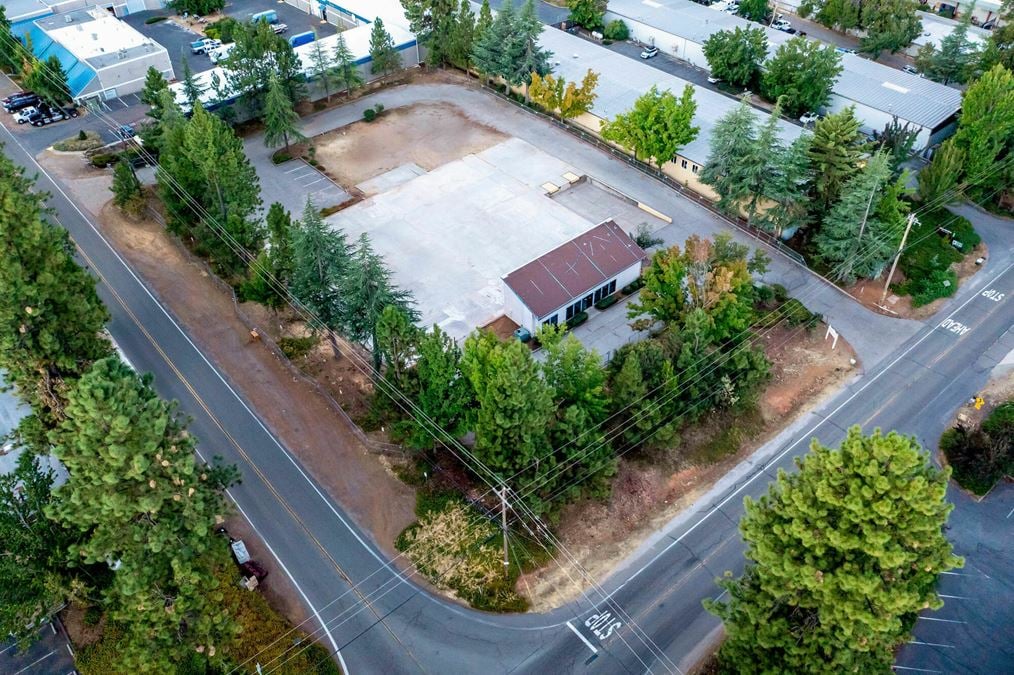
<point x="145" y="507"/>
<point x="787" y="187"/>
<point x="320" y="257"/>
<point x="853" y="240"/>
<point x="281" y="121"/>
<point x="956" y="56"/>
<point x="9" y="59"/>
<point x="397" y="341"/>
<point x="491" y="52"/>
<point x="192" y="91"/>
<point x="835" y="152"/>
<point x="384" y="58"/>
<point x="154" y="85"/>
<point x="733" y="165"/>
<point x="432" y="22"/>
<point x="531" y="58"/>
<point x="444" y="396"/>
<point x="345" y="69"/>
<point x="367" y="289"/>
<point x="126" y="188"/>
<point x="322" y="66"/>
<point x="515" y="411"/>
<point x="485" y="19"/>
<point x="640" y="373"/>
<point x="462" y="36"/>
<point x="51" y="318"/>
<point x="280" y="235"/>
<point x="843" y="555"/>
<point x="938" y="180"/>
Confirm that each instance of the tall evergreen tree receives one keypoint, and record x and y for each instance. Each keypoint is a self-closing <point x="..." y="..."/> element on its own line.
<point x="345" y="68"/>
<point x="146" y="508"/>
<point x="322" y="65"/>
<point x="938" y="180"/>
<point x="843" y="555"/>
<point x="835" y="153"/>
<point x="433" y="23"/>
<point x="485" y="19"/>
<point x="320" y="258"/>
<point x="397" y="341"/>
<point x="514" y="415"/>
<point x="954" y="60"/>
<point x="126" y="188"/>
<point x="853" y="239"/>
<point x="367" y="289"/>
<point x="462" y="36"/>
<point x="51" y="318"/>
<point x="154" y="84"/>
<point x="384" y="58"/>
<point x="492" y="51"/>
<point x="786" y="187"/>
<point x="531" y="58"/>
<point x="10" y="46"/>
<point x="280" y="236"/>
<point x="281" y="121"/>
<point x="897" y="140"/>
<point x="191" y="89"/>
<point x="734" y="167"/>
<point x="444" y="396"/>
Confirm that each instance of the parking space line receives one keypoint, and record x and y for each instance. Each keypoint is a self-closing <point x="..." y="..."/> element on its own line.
<point x="29" y="666"/>
<point x="306" y="185"/>
<point x="298" y="168"/>
<point x="930" y="618"/>
<point x="932" y="644"/>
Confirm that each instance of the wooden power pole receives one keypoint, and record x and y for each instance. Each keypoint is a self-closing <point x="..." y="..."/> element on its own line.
<point x="897" y="257"/>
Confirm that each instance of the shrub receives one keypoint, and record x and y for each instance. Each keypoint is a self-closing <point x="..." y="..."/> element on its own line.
<point x="607" y="301"/>
<point x="633" y="286"/>
<point x="966" y="234"/>
<point x="369" y="114"/>
<point x="155" y="19"/>
<point x="330" y="210"/>
<point x="616" y="30"/>
<point x="82" y="136"/>
<point x="458" y="550"/>
<point x="645" y="238"/>
<point x="103" y="159"/>
<point x="296" y="348"/>
<point x="781" y="293"/>
<point x="223" y="29"/>
<point x="577" y="319"/>
<point x="280" y="156"/>
<point x="90" y="141"/>
<point x="1000" y="423"/>
<point x="940" y="283"/>
<point x="978" y="459"/>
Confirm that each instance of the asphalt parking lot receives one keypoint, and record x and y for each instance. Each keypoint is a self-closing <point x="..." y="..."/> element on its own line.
<point x="966" y="634"/>
<point x="292" y="182"/>
<point x="297" y="20"/>
<point x="174" y="37"/>
<point x="50" y="653"/>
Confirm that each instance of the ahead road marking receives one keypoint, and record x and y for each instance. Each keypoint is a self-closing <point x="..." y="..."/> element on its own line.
<point x="955" y="327"/>
<point x="587" y="644"/>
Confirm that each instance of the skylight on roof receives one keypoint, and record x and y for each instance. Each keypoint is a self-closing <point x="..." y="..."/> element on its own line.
<point x="651" y="3"/>
<point x="895" y="87"/>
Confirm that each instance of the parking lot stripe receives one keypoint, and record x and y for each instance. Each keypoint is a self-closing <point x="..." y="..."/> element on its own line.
<point x="298" y="168"/>
<point x="930" y="618"/>
<point x="306" y="185"/>
<point x="931" y="644"/>
<point x="29" y="666"/>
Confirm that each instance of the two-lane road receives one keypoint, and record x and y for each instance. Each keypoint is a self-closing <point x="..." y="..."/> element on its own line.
<point x="383" y="623"/>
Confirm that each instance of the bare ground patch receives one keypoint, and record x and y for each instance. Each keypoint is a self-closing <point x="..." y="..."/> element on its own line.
<point x="650" y="491"/>
<point x="426" y="134"/>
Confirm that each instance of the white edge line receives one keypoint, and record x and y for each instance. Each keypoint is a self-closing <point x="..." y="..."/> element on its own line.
<point x="919" y="670"/>
<point x="805" y="436"/>
<point x="931" y="644"/>
<point x="323" y="624"/>
<point x="933" y="618"/>
<point x="587" y="644"/>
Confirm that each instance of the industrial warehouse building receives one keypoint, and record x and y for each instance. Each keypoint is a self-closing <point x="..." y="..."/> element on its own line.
<point x="352" y="13"/>
<point x="878" y="92"/>
<point x="102" y="56"/>
<point x="560" y="284"/>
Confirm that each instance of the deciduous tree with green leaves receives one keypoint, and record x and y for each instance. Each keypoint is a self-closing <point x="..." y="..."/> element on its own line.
<point x="384" y="58"/>
<point x="322" y="66"/>
<point x="842" y="556"/>
<point x="656" y="127"/>
<point x="10" y="59"/>
<point x="801" y="74"/>
<point x="986" y="134"/>
<point x="839" y="14"/>
<point x="754" y="10"/>
<point x="587" y="13"/>
<point x="897" y="140"/>
<point x="735" y="56"/>
<point x="937" y="181"/>
<point x="890" y="25"/>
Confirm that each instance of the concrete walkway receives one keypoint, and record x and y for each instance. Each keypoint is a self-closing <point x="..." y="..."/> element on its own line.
<point x="872" y="335"/>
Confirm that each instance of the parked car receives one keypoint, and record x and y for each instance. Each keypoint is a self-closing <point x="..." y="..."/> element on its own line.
<point x="25" y="114"/>
<point x="808" y="118"/>
<point x="843" y="50"/>
<point x="911" y="70"/>
<point x="204" y="45"/>
<point x="279" y="28"/>
<point x="649" y="52"/>
<point x="20" y="102"/>
<point x="125" y="132"/>
<point x="221" y="52"/>
<point x="8" y="99"/>
<point x="782" y="25"/>
<point x="48" y="115"/>
<point x="714" y="80"/>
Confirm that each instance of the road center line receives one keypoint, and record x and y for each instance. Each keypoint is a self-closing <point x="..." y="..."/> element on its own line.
<point x="587" y="644"/>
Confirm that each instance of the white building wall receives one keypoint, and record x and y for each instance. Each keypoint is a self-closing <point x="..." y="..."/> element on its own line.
<point x="516" y="310"/>
<point x="674" y="45"/>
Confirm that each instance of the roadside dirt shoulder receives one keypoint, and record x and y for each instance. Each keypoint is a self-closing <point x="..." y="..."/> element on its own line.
<point x="298" y="415"/>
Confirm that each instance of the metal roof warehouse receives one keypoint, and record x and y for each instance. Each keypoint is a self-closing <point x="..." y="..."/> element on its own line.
<point x="680" y="28"/>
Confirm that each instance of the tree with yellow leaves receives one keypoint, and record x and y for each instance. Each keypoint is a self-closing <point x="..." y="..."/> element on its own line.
<point x="565" y="99"/>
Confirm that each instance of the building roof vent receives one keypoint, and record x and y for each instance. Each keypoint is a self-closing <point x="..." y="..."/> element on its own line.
<point x="67" y="18"/>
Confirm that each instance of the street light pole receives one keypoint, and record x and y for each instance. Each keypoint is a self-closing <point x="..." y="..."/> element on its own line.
<point x="503" y="523"/>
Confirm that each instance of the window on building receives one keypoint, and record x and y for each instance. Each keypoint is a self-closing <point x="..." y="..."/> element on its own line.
<point x="683" y="163"/>
<point x="694" y="168"/>
<point x="587" y="301"/>
<point x="551" y="321"/>
<point x="605" y="291"/>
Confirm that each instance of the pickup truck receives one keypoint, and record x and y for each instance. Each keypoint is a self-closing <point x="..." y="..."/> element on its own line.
<point x="279" y="28"/>
<point x="204" y="45"/>
<point x="47" y="115"/>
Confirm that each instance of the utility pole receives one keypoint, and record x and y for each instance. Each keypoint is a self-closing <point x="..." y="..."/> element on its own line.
<point x="503" y="523"/>
<point x="897" y="257"/>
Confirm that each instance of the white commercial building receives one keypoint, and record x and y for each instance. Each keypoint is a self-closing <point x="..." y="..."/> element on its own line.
<point x="681" y="27"/>
<point x="102" y="56"/>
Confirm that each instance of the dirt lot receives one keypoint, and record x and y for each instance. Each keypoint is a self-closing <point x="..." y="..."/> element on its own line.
<point x="648" y="492"/>
<point x="427" y="135"/>
<point x="868" y="291"/>
<point x="292" y="408"/>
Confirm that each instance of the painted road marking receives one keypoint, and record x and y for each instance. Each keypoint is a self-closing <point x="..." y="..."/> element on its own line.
<point x="918" y="670"/>
<point x="953" y="597"/>
<point x="602" y="625"/>
<point x="993" y="294"/>
<point x="932" y="644"/>
<point x="30" y="665"/>
<point x="930" y="618"/>
<point x="954" y="326"/>
<point x="587" y="644"/>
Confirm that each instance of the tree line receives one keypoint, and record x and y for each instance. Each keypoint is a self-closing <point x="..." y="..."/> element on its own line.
<point x="552" y="430"/>
<point x="130" y="530"/>
<point x="46" y="78"/>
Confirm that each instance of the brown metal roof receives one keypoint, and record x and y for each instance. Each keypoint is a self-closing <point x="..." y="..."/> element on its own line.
<point x="574" y="269"/>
